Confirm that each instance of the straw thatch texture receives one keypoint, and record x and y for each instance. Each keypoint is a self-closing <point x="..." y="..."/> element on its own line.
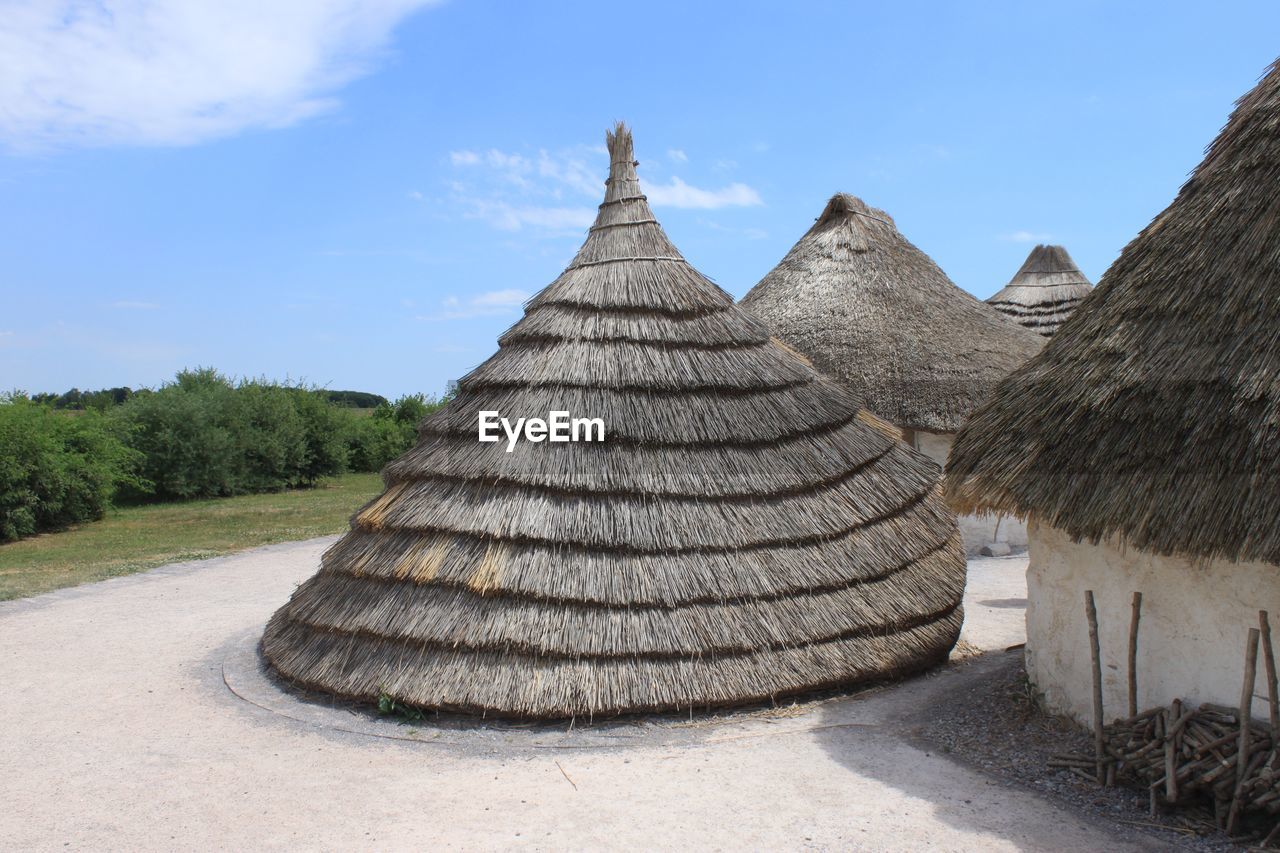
<point x="1155" y="412"/>
<point x="868" y="307"/>
<point x="742" y="533"/>
<point x="1044" y="292"/>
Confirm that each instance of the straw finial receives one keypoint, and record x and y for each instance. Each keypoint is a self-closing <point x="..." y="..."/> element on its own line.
<point x="622" y="182"/>
<point x="619" y="142"/>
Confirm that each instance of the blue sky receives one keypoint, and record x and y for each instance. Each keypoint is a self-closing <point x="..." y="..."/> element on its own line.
<point x="359" y="193"/>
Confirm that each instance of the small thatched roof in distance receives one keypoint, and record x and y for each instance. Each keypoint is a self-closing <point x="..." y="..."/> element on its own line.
<point x="1044" y="292"/>
<point x="741" y="534"/>
<point x="1154" y="414"/>
<point x="869" y="307"/>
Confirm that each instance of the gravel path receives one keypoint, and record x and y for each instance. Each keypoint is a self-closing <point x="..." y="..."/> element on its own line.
<point x="120" y="732"/>
<point x="992" y="721"/>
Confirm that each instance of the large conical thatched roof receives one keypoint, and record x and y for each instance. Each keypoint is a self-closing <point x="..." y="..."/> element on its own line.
<point x="742" y="533"/>
<point x="1044" y="292"/>
<point x="1155" y="412"/>
<point x="870" y="308"/>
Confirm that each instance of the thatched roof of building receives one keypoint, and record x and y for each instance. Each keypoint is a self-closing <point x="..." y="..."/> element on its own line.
<point x="870" y="308"/>
<point x="742" y="533"/>
<point x="1044" y="292"/>
<point x="1154" y="414"/>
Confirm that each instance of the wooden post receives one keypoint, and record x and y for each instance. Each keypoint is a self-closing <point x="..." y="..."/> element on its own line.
<point x="1099" y="747"/>
<point x="1273" y="693"/>
<point x="1133" y="654"/>
<point x="1246" y="713"/>
<point x="1171" y="753"/>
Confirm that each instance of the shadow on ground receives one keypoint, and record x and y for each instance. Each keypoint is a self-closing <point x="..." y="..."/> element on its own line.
<point x="920" y="716"/>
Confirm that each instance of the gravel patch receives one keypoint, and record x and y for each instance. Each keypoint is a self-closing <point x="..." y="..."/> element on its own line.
<point x="994" y="723"/>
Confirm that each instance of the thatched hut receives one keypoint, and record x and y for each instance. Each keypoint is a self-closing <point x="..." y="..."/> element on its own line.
<point x="1044" y="291"/>
<point x="1143" y="443"/>
<point x="741" y="533"/>
<point x="868" y="307"/>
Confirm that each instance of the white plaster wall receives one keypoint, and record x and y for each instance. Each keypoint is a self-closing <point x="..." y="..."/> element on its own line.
<point x="935" y="445"/>
<point x="977" y="530"/>
<point x="1195" y="622"/>
<point x="985" y="528"/>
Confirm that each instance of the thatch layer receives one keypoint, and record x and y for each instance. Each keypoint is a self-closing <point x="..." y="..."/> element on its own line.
<point x="744" y="531"/>
<point x="867" y="306"/>
<point x="1155" y="412"/>
<point x="1044" y="291"/>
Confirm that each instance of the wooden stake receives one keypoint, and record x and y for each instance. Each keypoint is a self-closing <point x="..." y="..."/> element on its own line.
<point x="1246" y="713"/>
<point x="1171" y="754"/>
<point x="1269" y="658"/>
<point x="1099" y="748"/>
<point x="1133" y="654"/>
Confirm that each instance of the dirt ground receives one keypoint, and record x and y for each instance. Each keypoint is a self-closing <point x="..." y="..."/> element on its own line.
<point x="136" y="717"/>
<point x="993" y="722"/>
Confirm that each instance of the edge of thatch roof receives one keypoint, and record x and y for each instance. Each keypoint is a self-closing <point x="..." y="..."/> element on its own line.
<point x="869" y="307"/>
<point x="1154" y="414"/>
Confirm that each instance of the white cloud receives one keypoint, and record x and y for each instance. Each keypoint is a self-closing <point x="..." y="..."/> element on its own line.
<point x="572" y="172"/>
<point x="538" y="193"/>
<point x="750" y="233"/>
<point x="506" y="217"/>
<point x="677" y="155"/>
<point x="483" y="305"/>
<point x="501" y="298"/>
<point x="102" y="72"/>
<point x="414" y="195"/>
<point x="511" y="167"/>
<point x="1026" y="237"/>
<point x="548" y="193"/>
<point x="679" y="194"/>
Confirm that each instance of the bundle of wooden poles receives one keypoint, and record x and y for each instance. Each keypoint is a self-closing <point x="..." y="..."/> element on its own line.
<point x="1182" y="754"/>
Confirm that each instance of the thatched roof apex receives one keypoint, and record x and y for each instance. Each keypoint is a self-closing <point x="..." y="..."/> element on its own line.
<point x="743" y="532"/>
<point x="1048" y="266"/>
<point x="869" y="307"/>
<point x="1044" y="292"/>
<point x="1154" y="414"/>
<point x="867" y="223"/>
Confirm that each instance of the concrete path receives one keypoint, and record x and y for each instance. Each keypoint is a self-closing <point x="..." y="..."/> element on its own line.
<point x="995" y="602"/>
<point x="118" y="731"/>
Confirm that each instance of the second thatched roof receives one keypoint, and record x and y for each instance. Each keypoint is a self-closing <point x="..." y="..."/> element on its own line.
<point x="1044" y="291"/>
<point x="867" y="306"/>
<point x="1154" y="414"/>
<point x="742" y="532"/>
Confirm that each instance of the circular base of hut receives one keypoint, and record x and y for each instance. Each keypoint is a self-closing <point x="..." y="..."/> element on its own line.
<point x="251" y="679"/>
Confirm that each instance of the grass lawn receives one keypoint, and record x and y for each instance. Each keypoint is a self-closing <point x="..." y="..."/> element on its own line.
<point x="135" y="538"/>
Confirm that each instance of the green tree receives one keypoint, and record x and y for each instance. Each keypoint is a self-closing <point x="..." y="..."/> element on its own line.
<point x="185" y="432"/>
<point x="390" y="431"/>
<point x="325" y="431"/>
<point x="57" y="469"/>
